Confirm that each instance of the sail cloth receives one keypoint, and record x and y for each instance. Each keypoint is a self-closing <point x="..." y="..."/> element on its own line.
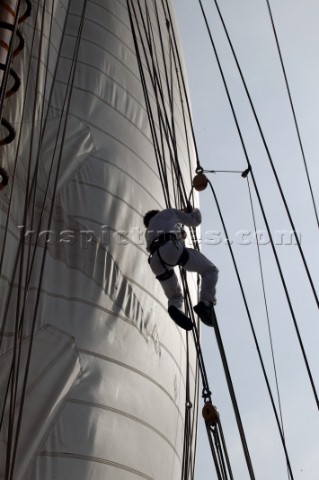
<point x="106" y="388"/>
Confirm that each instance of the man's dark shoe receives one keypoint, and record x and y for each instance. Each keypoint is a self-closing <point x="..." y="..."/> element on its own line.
<point x="180" y="318"/>
<point x="205" y="313"/>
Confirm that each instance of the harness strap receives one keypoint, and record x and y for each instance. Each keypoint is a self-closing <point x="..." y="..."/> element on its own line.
<point x="155" y="246"/>
<point x="161" y="240"/>
<point x="165" y="276"/>
<point x="183" y="258"/>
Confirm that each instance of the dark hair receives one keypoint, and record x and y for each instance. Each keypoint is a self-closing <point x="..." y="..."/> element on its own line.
<point x="148" y="216"/>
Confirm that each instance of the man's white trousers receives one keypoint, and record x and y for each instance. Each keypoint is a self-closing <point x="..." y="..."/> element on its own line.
<point x="169" y="254"/>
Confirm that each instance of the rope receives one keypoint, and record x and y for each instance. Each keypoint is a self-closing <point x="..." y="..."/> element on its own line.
<point x="261" y="135"/>
<point x="293" y="112"/>
<point x="168" y="139"/>
<point x="161" y="169"/>
<point x="258" y="195"/>
<point x="254" y="333"/>
<point x="14" y="373"/>
<point x="6" y="73"/>
<point x="233" y="399"/>
<point x="163" y="116"/>
<point x="266" y="307"/>
<point x="180" y="68"/>
<point x="216" y="441"/>
<point x="10" y="467"/>
<point x="187" y="422"/>
<point x="168" y="134"/>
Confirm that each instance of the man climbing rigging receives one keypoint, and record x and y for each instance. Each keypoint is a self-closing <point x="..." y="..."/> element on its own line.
<point x="165" y="242"/>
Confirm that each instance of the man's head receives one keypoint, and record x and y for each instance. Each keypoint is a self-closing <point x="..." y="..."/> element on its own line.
<point x="148" y="216"/>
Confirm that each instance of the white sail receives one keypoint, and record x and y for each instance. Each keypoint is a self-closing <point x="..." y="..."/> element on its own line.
<point x="97" y="371"/>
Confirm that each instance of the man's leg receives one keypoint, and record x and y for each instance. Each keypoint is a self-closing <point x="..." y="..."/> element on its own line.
<point x="197" y="262"/>
<point x="173" y="292"/>
<point x="169" y="282"/>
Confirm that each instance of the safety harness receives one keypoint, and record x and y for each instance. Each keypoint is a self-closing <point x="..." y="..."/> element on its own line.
<point x="155" y="246"/>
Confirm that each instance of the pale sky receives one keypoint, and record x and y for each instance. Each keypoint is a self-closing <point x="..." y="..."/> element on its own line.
<point x="249" y="27"/>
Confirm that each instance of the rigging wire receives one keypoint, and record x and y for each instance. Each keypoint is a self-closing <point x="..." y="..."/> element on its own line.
<point x="22" y="18"/>
<point x="17" y="340"/>
<point x="266" y="310"/>
<point x="13" y="183"/>
<point x="253" y="332"/>
<point x="44" y="253"/>
<point x="10" y="469"/>
<point x="183" y="97"/>
<point x="10" y="51"/>
<point x="213" y="425"/>
<point x="7" y="25"/>
<point x="31" y="334"/>
<point x="27" y="283"/>
<point x="29" y="264"/>
<point x="176" y="168"/>
<point x="293" y="112"/>
<point x="179" y="74"/>
<point x="13" y="376"/>
<point x="32" y="194"/>
<point x="166" y="121"/>
<point x="313" y="386"/>
<point x="157" y="150"/>
<point x="180" y="68"/>
<point x="205" y="382"/>
<point x="261" y="135"/>
<point x="222" y="171"/>
<point x="234" y="400"/>
<point x="6" y="69"/>
<point x="20" y="327"/>
<point x="156" y="68"/>
<point x="187" y="422"/>
<point x="187" y="470"/>
<point x="163" y="116"/>
<point x="264" y="216"/>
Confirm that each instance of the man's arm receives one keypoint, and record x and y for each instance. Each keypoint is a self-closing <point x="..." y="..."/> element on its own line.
<point x="192" y="219"/>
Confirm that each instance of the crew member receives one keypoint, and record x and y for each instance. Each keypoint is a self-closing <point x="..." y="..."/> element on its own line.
<point x="165" y="242"/>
